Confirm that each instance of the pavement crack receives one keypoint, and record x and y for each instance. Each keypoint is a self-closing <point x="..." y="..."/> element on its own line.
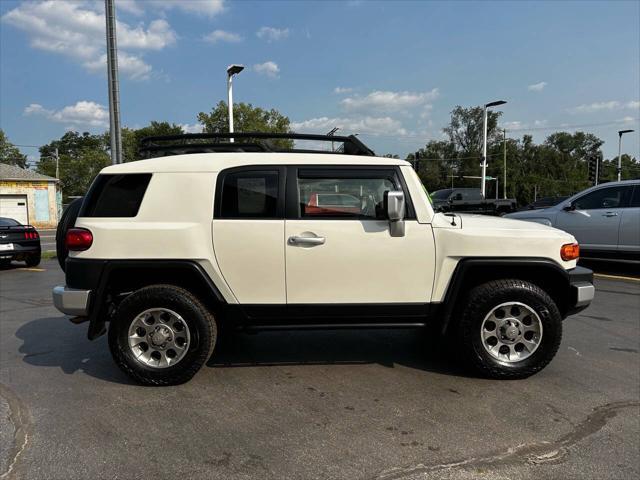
<point x="20" y="419"/>
<point x="534" y="453"/>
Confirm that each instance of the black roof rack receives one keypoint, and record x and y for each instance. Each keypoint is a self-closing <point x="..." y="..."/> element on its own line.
<point x="256" y="142"/>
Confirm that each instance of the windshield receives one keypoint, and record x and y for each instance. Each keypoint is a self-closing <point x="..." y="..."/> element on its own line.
<point x="441" y="194"/>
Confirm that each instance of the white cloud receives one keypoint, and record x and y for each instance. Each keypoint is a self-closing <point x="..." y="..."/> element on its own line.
<point x="271" y="34"/>
<point x="627" y="119"/>
<point x="341" y="90"/>
<point x="603" y="106"/>
<point x="270" y="69"/>
<point x="389" y="101"/>
<point x="222" y="36"/>
<point x="514" y="125"/>
<point x="537" y="87"/>
<point x="198" y="7"/>
<point x="82" y="114"/>
<point x="367" y="124"/>
<point x="195" y="128"/>
<point x="77" y="30"/>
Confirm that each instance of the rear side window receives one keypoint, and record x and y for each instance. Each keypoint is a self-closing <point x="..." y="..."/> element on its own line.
<point x="116" y="195"/>
<point x="635" y="199"/>
<point x="250" y="194"/>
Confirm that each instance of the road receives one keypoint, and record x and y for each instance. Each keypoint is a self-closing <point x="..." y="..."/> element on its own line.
<point x="47" y="240"/>
<point x="316" y="405"/>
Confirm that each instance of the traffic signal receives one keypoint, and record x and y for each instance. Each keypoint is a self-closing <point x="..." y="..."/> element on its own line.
<point x="594" y="162"/>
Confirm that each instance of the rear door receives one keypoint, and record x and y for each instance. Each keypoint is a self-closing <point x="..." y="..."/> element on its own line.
<point x="629" y="237"/>
<point x="340" y="252"/>
<point x="595" y="221"/>
<point x="248" y="233"/>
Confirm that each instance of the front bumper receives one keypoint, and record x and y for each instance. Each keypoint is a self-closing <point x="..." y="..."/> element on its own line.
<point x="582" y="289"/>
<point x="72" y="301"/>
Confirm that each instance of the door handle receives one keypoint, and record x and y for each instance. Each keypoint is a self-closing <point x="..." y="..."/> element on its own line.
<point x="610" y="214"/>
<point x="306" y="240"/>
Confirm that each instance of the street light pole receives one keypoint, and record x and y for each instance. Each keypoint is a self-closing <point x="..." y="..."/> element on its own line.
<point x="484" y="142"/>
<point x="504" y="184"/>
<point x="231" y="71"/>
<point x="620" y="133"/>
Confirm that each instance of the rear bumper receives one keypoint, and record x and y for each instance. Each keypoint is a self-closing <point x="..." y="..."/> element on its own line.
<point x="72" y="301"/>
<point x="582" y="289"/>
<point x="21" y="250"/>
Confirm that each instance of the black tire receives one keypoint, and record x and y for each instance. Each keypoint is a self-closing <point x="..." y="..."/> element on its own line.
<point x="67" y="221"/>
<point x="482" y="300"/>
<point x="34" y="259"/>
<point x="5" y="262"/>
<point x="200" y="321"/>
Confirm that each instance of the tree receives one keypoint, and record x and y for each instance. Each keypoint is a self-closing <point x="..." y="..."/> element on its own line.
<point x="10" y="154"/>
<point x="247" y="118"/>
<point x="131" y="137"/>
<point x="81" y="157"/>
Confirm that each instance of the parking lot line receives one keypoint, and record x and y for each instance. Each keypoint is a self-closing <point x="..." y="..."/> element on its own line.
<point x="31" y="269"/>
<point x="616" y="277"/>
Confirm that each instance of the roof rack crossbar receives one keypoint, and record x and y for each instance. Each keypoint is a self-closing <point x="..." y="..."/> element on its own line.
<point x="189" y="143"/>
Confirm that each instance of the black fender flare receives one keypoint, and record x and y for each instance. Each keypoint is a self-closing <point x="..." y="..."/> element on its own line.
<point x="526" y="268"/>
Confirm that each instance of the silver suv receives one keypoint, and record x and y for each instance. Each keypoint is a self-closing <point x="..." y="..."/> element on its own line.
<point x="605" y="219"/>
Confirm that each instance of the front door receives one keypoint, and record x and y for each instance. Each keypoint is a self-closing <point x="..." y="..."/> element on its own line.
<point x="595" y="221"/>
<point x="339" y="250"/>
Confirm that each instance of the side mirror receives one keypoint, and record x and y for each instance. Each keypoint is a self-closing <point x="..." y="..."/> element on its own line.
<point x="394" y="208"/>
<point x="569" y="208"/>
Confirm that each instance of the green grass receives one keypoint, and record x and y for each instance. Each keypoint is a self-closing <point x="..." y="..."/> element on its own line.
<point x="49" y="255"/>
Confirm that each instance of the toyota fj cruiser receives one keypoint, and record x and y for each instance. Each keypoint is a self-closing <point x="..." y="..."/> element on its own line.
<point x="213" y="235"/>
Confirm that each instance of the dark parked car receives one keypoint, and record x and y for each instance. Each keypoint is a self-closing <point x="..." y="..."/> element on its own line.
<point x="18" y="242"/>
<point x="470" y="200"/>
<point x="544" y="202"/>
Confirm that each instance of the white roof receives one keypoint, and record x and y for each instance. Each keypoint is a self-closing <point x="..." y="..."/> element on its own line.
<point x="214" y="162"/>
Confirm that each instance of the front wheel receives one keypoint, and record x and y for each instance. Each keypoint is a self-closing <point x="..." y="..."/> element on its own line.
<point x="509" y="329"/>
<point x="162" y="335"/>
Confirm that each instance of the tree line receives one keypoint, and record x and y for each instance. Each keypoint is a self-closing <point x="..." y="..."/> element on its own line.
<point x="557" y="166"/>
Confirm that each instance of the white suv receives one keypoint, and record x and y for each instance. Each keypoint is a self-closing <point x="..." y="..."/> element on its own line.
<point x="172" y="250"/>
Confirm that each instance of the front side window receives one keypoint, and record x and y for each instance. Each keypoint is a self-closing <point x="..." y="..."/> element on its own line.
<point x="335" y="196"/>
<point x="250" y="194"/>
<point x="612" y="197"/>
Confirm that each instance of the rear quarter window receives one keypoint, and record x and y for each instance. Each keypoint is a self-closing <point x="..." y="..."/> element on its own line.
<point x="115" y="195"/>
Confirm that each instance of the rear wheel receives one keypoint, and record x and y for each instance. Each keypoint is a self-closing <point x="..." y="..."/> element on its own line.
<point x="34" y="259"/>
<point x="162" y="335"/>
<point x="67" y="221"/>
<point x="509" y="329"/>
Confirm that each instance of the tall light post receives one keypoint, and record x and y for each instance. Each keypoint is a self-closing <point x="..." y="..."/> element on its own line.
<point x="114" y="84"/>
<point x="231" y="71"/>
<point x="484" y="143"/>
<point x="620" y="133"/>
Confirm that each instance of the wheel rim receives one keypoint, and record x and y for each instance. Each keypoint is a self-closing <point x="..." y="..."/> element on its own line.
<point x="159" y="338"/>
<point x="511" y="332"/>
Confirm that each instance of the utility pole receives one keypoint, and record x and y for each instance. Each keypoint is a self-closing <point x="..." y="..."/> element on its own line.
<point x="484" y="142"/>
<point x="114" y="84"/>
<point x="504" y="184"/>
<point x="57" y="163"/>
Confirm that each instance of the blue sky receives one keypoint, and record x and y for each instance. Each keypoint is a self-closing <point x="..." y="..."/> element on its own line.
<point x="391" y="71"/>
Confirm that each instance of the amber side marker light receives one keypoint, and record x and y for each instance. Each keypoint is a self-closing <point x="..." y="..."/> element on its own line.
<point x="570" y="251"/>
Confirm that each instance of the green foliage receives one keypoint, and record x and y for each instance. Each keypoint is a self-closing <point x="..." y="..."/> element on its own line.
<point x="131" y="137"/>
<point x="81" y="157"/>
<point x="10" y="154"/>
<point x="246" y="118"/>
<point x="558" y="166"/>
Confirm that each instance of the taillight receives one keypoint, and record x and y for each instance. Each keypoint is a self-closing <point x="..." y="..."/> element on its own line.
<point x="31" y="235"/>
<point x="78" y="239"/>
<point x="570" y="251"/>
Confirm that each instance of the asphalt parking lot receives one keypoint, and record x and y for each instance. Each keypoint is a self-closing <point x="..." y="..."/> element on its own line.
<point x="315" y="405"/>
